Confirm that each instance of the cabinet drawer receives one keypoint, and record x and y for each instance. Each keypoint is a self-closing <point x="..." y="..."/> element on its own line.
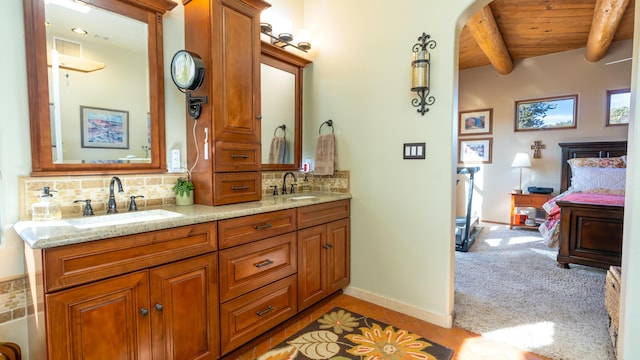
<point x="237" y="231"/>
<point x="248" y="267"/>
<point x="231" y="157"/>
<point x="322" y="213"/>
<point x="72" y="265"/>
<point x="231" y="188"/>
<point x="248" y="316"/>
<point x="530" y="200"/>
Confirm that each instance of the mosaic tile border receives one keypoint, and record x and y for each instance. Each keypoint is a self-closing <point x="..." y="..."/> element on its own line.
<point x="13" y="299"/>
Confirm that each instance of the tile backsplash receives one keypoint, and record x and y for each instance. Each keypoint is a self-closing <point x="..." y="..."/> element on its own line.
<point x="12" y="299"/>
<point x="156" y="189"/>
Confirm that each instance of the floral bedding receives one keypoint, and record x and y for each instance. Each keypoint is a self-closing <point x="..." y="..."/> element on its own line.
<point x="550" y="228"/>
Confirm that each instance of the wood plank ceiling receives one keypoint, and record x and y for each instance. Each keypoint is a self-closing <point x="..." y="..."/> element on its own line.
<point x="506" y="31"/>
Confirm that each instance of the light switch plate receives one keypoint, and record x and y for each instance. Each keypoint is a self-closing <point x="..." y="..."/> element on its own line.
<point x="414" y="151"/>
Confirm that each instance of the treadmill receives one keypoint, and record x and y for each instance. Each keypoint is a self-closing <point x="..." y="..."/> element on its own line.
<point x="467" y="226"/>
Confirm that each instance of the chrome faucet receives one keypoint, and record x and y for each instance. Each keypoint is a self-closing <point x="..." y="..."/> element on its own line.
<point x="284" y="181"/>
<point x="112" y="198"/>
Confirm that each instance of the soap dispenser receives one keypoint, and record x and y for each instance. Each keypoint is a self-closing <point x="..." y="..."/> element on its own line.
<point x="45" y="209"/>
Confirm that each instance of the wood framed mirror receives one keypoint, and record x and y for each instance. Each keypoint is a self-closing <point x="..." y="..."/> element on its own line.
<point x="281" y="108"/>
<point x="85" y="113"/>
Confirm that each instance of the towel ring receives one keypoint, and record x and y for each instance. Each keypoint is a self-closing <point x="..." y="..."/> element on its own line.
<point x="328" y="123"/>
<point x="284" y="130"/>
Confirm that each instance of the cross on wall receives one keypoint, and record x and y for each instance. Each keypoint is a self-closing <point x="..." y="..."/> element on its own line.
<point x="537" y="149"/>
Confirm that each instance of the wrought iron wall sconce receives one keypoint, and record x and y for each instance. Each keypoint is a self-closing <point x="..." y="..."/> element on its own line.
<point x="420" y="71"/>
<point x="283" y="39"/>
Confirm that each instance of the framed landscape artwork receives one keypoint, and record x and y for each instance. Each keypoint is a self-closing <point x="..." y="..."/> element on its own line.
<point x="547" y="113"/>
<point x="104" y="128"/>
<point x="475" y="122"/>
<point x="618" y="107"/>
<point x="475" y="150"/>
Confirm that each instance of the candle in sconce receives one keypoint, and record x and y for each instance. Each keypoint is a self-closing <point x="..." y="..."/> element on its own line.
<point x="420" y="76"/>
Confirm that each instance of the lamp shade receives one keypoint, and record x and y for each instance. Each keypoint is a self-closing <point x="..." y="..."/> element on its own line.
<point x="521" y="160"/>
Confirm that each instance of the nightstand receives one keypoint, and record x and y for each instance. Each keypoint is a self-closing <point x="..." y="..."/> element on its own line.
<point x="526" y="201"/>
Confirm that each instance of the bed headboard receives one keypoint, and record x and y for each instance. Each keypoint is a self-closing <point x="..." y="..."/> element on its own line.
<point x="600" y="149"/>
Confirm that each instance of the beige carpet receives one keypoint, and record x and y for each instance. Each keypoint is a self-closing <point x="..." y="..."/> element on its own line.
<point x="508" y="288"/>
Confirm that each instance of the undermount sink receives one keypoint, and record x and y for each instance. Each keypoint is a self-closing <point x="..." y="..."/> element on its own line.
<point x="122" y="218"/>
<point x="303" y="197"/>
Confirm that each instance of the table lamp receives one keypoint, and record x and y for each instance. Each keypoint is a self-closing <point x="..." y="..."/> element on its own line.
<point x="520" y="161"/>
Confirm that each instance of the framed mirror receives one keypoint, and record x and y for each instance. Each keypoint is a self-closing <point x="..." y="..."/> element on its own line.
<point x="281" y="108"/>
<point x="95" y="76"/>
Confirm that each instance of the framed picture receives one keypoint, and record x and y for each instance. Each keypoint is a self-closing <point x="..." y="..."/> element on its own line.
<point x="475" y="122"/>
<point x="475" y="150"/>
<point x="618" y="107"/>
<point x="547" y="113"/>
<point x="104" y="128"/>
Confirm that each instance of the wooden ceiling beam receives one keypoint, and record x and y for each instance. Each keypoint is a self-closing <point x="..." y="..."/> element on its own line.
<point x="484" y="30"/>
<point x="606" y="19"/>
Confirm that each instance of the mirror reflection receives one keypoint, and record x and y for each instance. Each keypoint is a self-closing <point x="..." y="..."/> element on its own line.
<point x="281" y="107"/>
<point x="278" y="115"/>
<point x="98" y="76"/>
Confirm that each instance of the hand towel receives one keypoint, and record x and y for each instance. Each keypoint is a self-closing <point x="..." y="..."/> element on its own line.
<point x="278" y="150"/>
<point x="325" y="155"/>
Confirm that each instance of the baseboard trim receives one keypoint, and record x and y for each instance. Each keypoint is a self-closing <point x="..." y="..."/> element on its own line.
<point x="445" y="321"/>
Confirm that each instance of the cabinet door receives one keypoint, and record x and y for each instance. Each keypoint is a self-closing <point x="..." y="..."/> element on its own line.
<point x="311" y="260"/>
<point x="107" y="319"/>
<point x="235" y="121"/>
<point x="338" y="250"/>
<point x="184" y="309"/>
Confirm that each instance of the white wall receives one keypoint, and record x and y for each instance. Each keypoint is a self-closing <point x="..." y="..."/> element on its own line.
<point x="558" y="74"/>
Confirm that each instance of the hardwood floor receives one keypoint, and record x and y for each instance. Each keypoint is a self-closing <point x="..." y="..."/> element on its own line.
<point x="466" y="345"/>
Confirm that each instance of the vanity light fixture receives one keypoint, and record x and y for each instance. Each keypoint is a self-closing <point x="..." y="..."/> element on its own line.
<point x="285" y="38"/>
<point x="420" y="69"/>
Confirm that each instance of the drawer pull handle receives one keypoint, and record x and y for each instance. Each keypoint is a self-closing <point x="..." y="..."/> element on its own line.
<point x="238" y="188"/>
<point x="260" y="313"/>
<point x="263" y="263"/>
<point x="239" y="156"/>
<point x="144" y="311"/>
<point x="262" y="227"/>
<point x="159" y="307"/>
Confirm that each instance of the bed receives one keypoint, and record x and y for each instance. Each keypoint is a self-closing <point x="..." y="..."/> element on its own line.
<point x="587" y="223"/>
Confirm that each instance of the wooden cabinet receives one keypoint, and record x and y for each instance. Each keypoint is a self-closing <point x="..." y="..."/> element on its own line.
<point x="226" y="34"/>
<point x="258" y="283"/>
<point x="147" y="296"/>
<point x="323" y="251"/>
<point x="525" y="201"/>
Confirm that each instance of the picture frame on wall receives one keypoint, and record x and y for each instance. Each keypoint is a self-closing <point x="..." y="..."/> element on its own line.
<point x="559" y="112"/>
<point x="475" y="151"/>
<point x="618" y="107"/>
<point x="475" y="122"/>
<point x="104" y="128"/>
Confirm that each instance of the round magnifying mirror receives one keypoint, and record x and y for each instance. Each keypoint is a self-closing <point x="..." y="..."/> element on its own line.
<point x="187" y="70"/>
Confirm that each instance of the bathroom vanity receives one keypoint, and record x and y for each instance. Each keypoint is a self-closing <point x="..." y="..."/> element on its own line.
<point x="197" y="285"/>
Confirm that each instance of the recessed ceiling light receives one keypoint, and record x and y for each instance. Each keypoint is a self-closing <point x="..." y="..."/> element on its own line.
<point x="79" y="31"/>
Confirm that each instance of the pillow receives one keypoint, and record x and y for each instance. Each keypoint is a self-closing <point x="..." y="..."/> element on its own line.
<point x="612" y="162"/>
<point x="624" y="158"/>
<point x="588" y="178"/>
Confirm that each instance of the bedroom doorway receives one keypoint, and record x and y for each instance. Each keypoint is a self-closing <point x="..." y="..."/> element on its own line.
<point x="497" y="178"/>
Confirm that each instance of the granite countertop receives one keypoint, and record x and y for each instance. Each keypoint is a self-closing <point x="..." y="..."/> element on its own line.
<point x="48" y="234"/>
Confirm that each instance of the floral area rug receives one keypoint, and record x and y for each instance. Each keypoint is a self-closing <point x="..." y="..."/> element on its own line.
<point x="341" y="334"/>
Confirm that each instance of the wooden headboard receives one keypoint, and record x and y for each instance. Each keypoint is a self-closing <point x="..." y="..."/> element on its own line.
<point x="587" y="149"/>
